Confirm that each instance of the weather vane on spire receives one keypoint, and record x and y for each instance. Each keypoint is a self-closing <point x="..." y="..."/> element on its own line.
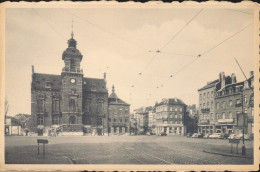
<point x="72" y="34"/>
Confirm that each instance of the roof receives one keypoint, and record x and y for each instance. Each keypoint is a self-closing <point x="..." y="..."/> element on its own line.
<point x="113" y="96"/>
<point x="171" y="101"/>
<point x="39" y="81"/>
<point x="117" y="102"/>
<point x="94" y="84"/>
<point x="113" y="99"/>
<point x="240" y="84"/>
<point x="210" y="85"/>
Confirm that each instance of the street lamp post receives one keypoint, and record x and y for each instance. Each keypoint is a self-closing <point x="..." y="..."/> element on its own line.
<point x="242" y="105"/>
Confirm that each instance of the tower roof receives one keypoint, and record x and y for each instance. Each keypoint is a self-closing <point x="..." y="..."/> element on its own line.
<point x="113" y="99"/>
<point x="72" y="50"/>
<point x="113" y="94"/>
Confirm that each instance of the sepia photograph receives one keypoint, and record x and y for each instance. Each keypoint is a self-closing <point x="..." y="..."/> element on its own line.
<point x="130" y="86"/>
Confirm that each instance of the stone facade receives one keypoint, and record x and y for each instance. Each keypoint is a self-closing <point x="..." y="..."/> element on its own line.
<point x="170" y="115"/>
<point x="228" y="99"/>
<point x="119" y="115"/>
<point x="69" y="104"/>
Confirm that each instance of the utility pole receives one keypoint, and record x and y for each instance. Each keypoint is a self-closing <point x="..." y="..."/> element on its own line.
<point x="242" y="105"/>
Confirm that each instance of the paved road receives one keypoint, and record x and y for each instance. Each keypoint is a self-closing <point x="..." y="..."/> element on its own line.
<point x="123" y="150"/>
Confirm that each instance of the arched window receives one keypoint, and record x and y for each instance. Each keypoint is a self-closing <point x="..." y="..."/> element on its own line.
<point x="72" y="105"/>
<point x="40" y="105"/>
<point x="72" y="120"/>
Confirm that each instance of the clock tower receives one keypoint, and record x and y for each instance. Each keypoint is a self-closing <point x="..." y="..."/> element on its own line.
<point x="71" y="88"/>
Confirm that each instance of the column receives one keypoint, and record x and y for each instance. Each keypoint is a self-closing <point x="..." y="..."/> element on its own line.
<point x="178" y="130"/>
<point x="123" y="130"/>
<point x="112" y="131"/>
<point x="167" y="130"/>
<point x="117" y="130"/>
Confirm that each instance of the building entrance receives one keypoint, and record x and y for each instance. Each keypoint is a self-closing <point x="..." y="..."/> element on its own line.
<point x="72" y="120"/>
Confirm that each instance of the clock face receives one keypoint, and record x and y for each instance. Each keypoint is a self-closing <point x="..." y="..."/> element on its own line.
<point x="72" y="81"/>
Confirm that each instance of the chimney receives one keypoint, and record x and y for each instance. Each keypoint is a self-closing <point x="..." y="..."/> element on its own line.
<point x="222" y="79"/>
<point x="32" y="69"/>
<point x="251" y="73"/>
<point x="233" y="78"/>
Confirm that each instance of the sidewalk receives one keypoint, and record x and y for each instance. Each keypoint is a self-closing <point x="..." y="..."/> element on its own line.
<point x="228" y="154"/>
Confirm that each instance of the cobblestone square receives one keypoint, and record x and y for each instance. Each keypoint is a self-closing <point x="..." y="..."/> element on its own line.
<point x="125" y="150"/>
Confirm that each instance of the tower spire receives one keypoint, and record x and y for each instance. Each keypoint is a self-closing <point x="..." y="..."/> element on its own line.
<point x="113" y="88"/>
<point x="72" y="34"/>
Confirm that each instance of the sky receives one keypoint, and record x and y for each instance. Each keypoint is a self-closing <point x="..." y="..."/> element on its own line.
<point x="123" y="42"/>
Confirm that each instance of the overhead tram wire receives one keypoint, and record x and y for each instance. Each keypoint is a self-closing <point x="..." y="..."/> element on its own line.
<point x="206" y="52"/>
<point x="165" y="52"/>
<point x="102" y="28"/>
<point x="182" y="28"/>
<point x="43" y="19"/>
<point x="174" y="36"/>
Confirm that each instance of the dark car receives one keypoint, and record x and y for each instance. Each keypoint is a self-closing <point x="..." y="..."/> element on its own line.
<point x="225" y="136"/>
<point x="189" y="135"/>
<point x="163" y="134"/>
<point x="200" y="135"/>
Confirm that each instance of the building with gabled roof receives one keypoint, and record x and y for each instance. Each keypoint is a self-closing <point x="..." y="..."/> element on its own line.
<point x="71" y="104"/>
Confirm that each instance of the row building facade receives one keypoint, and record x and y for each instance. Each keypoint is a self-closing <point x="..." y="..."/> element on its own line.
<point x="222" y="101"/>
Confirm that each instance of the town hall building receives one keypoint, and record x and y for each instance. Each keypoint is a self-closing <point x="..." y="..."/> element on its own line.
<point x="71" y="104"/>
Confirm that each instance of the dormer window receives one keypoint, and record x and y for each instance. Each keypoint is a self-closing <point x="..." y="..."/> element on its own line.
<point x="47" y="84"/>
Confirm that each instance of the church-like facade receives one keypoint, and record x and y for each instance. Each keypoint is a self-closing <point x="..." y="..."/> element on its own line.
<point x="71" y="104"/>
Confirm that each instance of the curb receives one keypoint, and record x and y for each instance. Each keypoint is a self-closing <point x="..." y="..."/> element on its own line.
<point x="225" y="154"/>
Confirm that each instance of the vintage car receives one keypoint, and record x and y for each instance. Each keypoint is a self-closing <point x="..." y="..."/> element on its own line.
<point x="216" y="136"/>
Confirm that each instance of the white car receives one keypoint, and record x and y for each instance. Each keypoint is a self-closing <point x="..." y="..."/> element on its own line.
<point x="232" y="136"/>
<point x="216" y="136"/>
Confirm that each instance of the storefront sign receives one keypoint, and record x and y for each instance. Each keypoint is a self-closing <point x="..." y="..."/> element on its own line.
<point x="225" y="120"/>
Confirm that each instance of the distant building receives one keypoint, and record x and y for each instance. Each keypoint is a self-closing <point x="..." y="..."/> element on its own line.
<point x="170" y="117"/>
<point x="152" y="120"/>
<point x="191" y="119"/>
<point x="12" y="126"/>
<point x="141" y="118"/>
<point x="119" y="115"/>
<point x="192" y="110"/>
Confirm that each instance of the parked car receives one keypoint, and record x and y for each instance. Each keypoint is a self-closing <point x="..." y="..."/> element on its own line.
<point x="216" y="136"/>
<point x="206" y="136"/>
<point x="200" y="135"/>
<point x="225" y="136"/>
<point x="163" y="134"/>
<point x="189" y="135"/>
<point x="246" y="136"/>
<point x="195" y="135"/>
<point x="232" y="136"/>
